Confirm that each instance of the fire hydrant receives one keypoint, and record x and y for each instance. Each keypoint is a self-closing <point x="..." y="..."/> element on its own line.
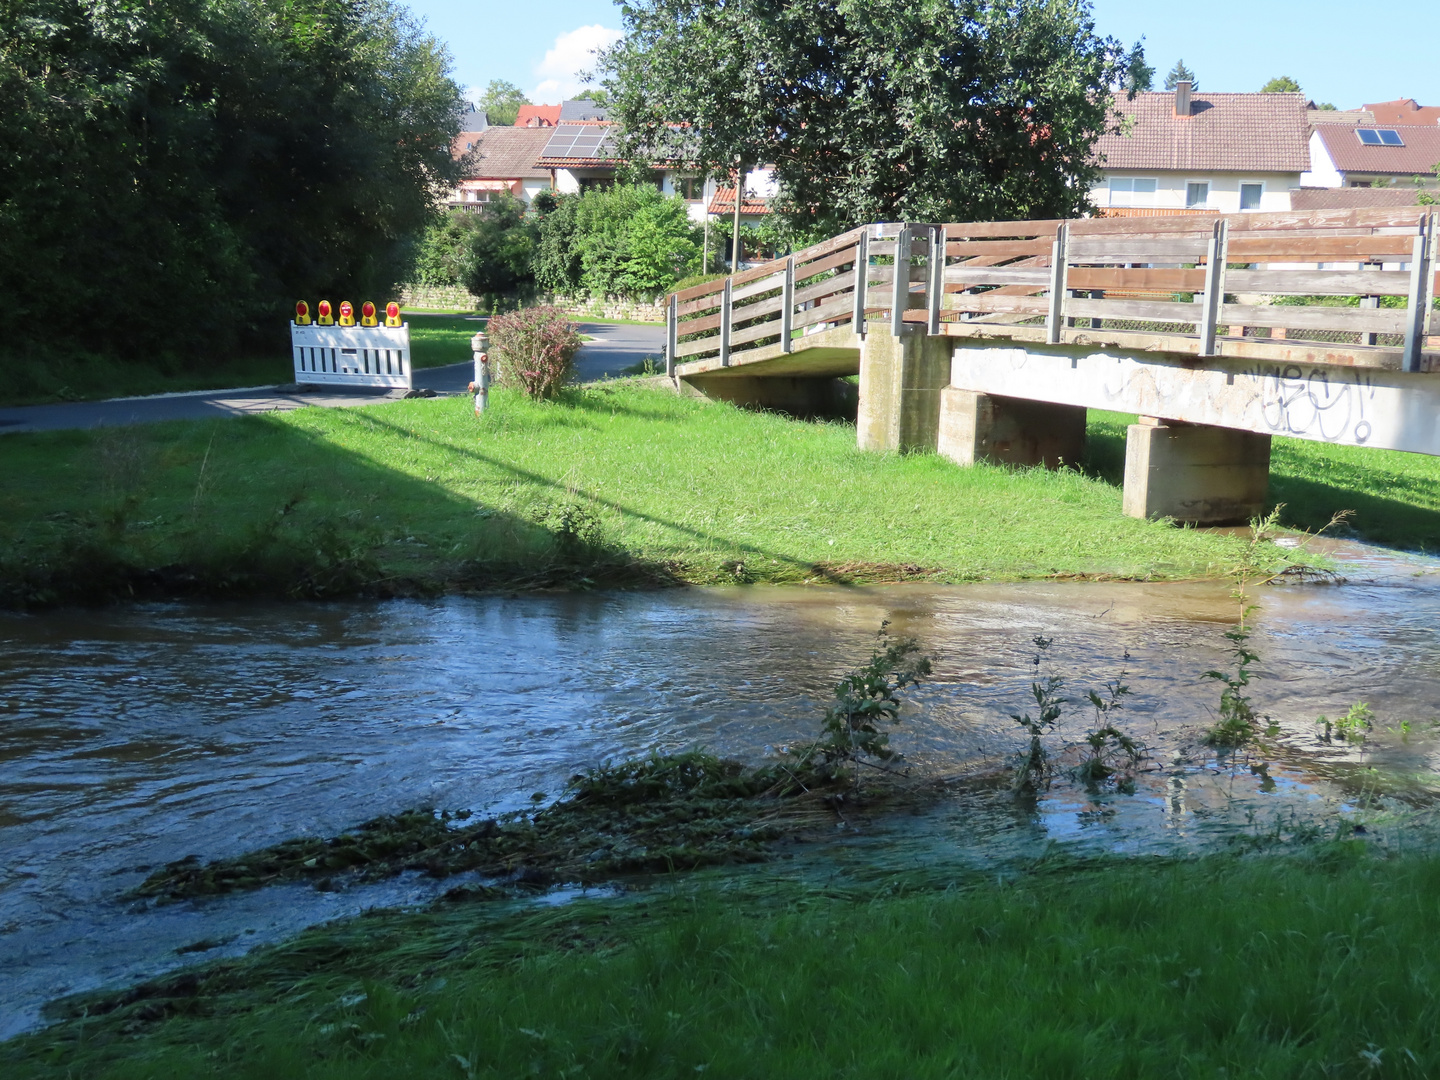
<point x="480" y="346"/>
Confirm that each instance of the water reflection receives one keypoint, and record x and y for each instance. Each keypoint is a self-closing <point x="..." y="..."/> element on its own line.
<point x="133" y="737"/>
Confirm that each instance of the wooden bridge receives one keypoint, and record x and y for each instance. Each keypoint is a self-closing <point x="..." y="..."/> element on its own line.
<point x="991" y="340"/>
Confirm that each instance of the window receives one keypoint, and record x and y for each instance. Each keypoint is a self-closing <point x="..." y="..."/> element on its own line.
<point x="1250" y="196"/>
<point x="1132" y="191"/>
<point x="1197" y="193"/>
<point x="1379" y="136"/>
<point x="690" y="188"/>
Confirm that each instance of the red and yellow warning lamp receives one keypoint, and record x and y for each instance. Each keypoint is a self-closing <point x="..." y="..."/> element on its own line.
<point x="367" y="314"/>
<point x="392" y="314"/>
<point x="302" y="313"/>
<point x="323" y="309"/>
<point x="347" y="313"/>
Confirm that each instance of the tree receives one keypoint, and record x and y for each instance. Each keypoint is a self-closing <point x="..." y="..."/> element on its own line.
<point x="628" y="240"/>
<point x="499" y="249"/>
<point x="192" y="167"/>
<point x="924" y="109"/>
<point x="501" y="102"/>
<point x="1180" y="73"/>
<point x="1282" y="85"/>
<point x="1139" y="75"/>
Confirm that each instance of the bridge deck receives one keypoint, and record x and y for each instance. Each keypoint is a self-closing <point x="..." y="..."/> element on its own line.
<point x="1349" y="288"/>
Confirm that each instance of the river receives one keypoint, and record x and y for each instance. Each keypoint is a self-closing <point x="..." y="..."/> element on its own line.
<point x="131" y="737"/>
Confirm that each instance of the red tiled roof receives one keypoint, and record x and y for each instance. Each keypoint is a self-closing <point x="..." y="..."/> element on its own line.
<point x="1351" y="198"/>
<point x="723" y="202"/>
<point x="1405" y="111"/>
<point x="505" y="153"/>
<point x="1417" y="157"/>
<point x="538" y="116"/>
<point x="1235" y="132"/>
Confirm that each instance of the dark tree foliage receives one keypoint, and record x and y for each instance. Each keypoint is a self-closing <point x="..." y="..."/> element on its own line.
<point x="1180" y="73"/>
<point x="892" y="109"/>
<point x="500" y="249"/>
<point x="175" y="173"/>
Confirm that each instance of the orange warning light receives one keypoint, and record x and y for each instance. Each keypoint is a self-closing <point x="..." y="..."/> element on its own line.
<point x="392" y="314"/>
<point x="367" y="314"/>
<point x="302" y="313"/>
<point x="324" y="309"/>
<point x="347" y="313"/>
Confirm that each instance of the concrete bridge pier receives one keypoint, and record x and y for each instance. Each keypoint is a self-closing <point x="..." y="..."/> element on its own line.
<point x="1009" y="431"/>
<point x="1195" y="472"/>
<point x="901" y="380"/>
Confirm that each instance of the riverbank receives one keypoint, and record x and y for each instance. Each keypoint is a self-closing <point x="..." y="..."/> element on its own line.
<point x="1320" y="960"/>
<point x="616" y="484"/>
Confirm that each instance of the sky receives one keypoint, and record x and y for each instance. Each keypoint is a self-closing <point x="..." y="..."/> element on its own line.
<point x="1342" y="53"/>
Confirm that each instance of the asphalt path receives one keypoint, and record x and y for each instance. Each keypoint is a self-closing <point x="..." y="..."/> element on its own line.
<point x="616" y="347"/>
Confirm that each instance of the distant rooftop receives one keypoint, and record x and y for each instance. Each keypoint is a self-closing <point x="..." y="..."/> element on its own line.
<point x="538" y="116"/>
<point x="1392" y="149"/>
<point x="473" y="119"/>
<point x="583" y="109"/>
<point x="1170" y="132"/>
<point x="1404" y="111"/>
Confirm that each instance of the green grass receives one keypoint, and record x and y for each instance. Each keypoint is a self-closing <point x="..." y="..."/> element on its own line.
<point x="435" y="340"/>
<point x="1280" y="966"/>
<point x="614" y="474"/>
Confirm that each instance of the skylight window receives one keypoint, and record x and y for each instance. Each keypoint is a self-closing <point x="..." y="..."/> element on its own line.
<point x="1379" y="136"/>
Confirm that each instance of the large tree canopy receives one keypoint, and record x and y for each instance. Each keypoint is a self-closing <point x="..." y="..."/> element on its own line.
<point x="875" y="109"/>
<point x="177" y="172"/>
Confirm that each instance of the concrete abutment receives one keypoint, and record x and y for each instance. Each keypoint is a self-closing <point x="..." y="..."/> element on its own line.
<point x="1009" y="431"/>
<point x="901" y="379"/>
<point x="1195" y="473"/>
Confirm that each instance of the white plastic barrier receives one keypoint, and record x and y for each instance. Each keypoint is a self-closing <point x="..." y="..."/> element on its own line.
<point x="352" y="355"/>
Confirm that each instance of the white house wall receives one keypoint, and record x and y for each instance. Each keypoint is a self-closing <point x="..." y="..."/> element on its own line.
<point x="1224" y="190"/>
<point x="1323" y="173"/>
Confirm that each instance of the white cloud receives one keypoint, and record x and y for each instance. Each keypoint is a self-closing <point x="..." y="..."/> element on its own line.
<point x="573" y="53"/>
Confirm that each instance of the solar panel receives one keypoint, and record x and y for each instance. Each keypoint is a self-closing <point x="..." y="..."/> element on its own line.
<point x="577" y="141"/>
<point x="1379" y="137"/>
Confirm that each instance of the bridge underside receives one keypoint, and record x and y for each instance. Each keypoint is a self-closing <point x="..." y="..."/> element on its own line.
<point x="1200" y="452"/>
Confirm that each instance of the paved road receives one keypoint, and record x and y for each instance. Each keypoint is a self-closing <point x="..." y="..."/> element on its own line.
<point x="615" y="348"/>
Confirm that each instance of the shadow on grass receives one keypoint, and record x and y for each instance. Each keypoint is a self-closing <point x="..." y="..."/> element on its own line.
<point x="1310" y="504"/>
<point x="253" y="507"/>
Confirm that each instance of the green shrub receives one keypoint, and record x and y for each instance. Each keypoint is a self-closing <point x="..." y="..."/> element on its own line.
<point x="536" y="348"/>
<point x="627" y="240"/>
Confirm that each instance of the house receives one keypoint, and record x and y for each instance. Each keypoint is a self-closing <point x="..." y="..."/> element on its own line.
<point x="534" y="116"/>
<point x="1179" y="151"/>
<point x="1373" y="155"/>
<point x="501" y="159"/>
<point x="1404" y="111"/>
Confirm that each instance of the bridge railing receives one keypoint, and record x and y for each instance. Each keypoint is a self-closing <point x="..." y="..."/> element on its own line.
<point x="1350" y="287"/>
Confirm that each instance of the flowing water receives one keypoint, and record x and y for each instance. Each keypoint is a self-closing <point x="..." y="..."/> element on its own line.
<point x="135" y="736"/>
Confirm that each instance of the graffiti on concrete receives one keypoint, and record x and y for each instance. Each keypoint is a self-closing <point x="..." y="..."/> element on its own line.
<point x="1323" y="403"/>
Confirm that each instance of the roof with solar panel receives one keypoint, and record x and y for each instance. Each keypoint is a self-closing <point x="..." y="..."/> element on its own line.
<point x="1391" y="149"/>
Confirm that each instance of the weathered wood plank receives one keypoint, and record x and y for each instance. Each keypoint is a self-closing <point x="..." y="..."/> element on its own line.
<point x="696" y="326"/>
<point x="1259" y="248"/>
<point x="705" y="288"/>
<point x="754" y="333"/>
<point x="1152" y="310"/>
<point x="704" y="303"/>
<point x="758" y="287"/>
<point x="1316" y="317"/>
<point x="996" y="275"/>
<point x="1151" y="280"/>
<point x="758" y="310"/>
<point x="690" y="348"/>
<point x="979" y="230"/>
<point x="821" y="289"/>
<point x="821" y="266"/>
<point x="1319" y="282"/>
<point x="1127" y="250"/>
<point x="997" y="249"/>
<point x="834" y="311"/>
<point x="997" y="302"/>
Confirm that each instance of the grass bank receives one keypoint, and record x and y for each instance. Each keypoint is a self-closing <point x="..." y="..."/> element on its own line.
<point x="435" y="340"/>
<point x="614" y="484"/>
<point x="1314" y="964"/>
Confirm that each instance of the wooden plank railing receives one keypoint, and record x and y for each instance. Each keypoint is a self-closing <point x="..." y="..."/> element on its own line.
<point x="1196" y="284"/>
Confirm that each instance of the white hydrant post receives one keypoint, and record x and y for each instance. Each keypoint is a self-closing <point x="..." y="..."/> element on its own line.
<point x="480" y="347"/>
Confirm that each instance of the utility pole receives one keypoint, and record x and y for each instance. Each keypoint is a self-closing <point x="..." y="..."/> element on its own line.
<point x="705" y="203"/>
<point x="739" y="198"/>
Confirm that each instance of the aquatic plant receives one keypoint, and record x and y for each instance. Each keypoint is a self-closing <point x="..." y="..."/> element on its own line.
<point x="1111" y="754"/>
<point x="864" y="699"/>
<point x="1033" y="768"/>
<point x="1353" y="727"/>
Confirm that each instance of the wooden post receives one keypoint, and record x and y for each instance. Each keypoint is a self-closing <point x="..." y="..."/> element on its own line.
<point x="725" y="323"/>
<point x="1055" y="320"/>
<point x="862" y="279"/>
<point x="1417" y="309"/>
<point x="1216" y="251"/>
<point x="900" y="287"/>
<point x="672" y="319"/>
<point x="739" y="198"/>
<point x="936" y="284"/>
<point x="787" y="304"/>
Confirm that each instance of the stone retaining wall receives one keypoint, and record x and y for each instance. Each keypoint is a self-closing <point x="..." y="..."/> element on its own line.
<point x="455" y="297"/>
